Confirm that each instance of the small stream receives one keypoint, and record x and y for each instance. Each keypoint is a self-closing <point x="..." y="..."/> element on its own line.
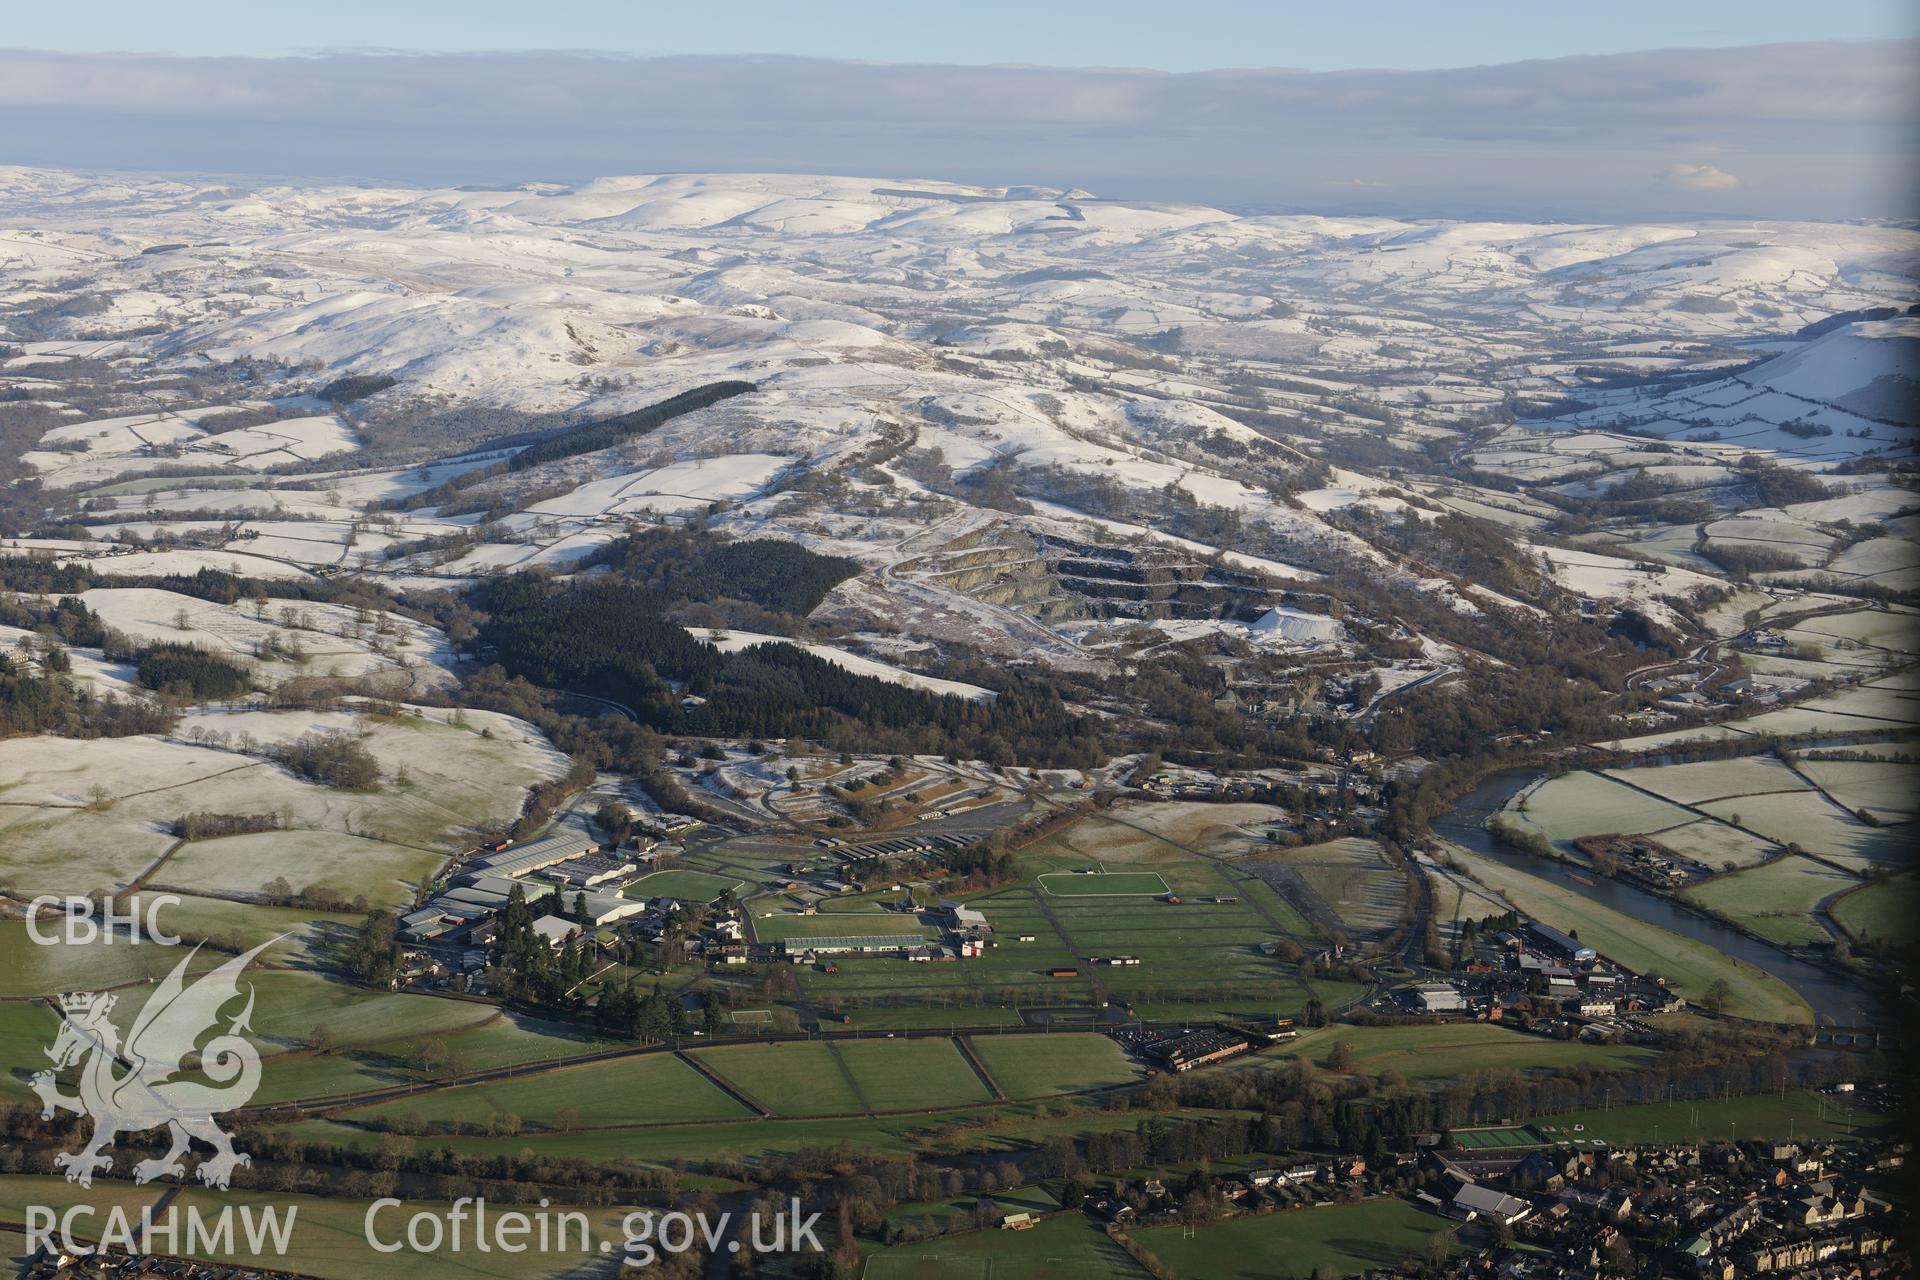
<point x="1835" y="999"/>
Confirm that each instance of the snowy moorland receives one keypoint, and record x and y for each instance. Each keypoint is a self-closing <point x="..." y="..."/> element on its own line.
<point x="1050" y="428"/>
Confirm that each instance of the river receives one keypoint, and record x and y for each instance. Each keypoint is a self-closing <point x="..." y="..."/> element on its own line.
<point x="1835" y="999"/>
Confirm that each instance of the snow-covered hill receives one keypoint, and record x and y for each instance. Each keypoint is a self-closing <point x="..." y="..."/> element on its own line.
<point x="1016" y="405"/>
<point x="1853" y="390"/>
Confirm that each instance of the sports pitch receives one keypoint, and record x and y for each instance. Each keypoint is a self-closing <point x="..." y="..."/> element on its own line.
<point x="1103" y="884"/>
<point x="1491" y="1139"/>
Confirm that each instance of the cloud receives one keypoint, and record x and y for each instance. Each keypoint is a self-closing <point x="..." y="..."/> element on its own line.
<point x="1573" y="136"/>
<point x="1698" y="177"/>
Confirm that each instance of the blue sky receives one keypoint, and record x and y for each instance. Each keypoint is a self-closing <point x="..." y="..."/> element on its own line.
<point x="1615" y="110"/>
<point x="1193" y="35"/>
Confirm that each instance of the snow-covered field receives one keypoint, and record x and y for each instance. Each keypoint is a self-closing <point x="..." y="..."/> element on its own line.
<point x="733" y="641"/>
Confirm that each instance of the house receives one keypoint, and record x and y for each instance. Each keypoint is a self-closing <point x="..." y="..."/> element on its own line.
<point x="1018" y="1221"/>
<point x="1818" y="1207"/>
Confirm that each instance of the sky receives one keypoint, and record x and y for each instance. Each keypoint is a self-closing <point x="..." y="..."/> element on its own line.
<point x="1475" y="108"/>
<point x="1386" y="34"/>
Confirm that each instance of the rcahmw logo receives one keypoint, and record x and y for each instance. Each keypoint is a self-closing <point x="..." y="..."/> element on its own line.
<point x="83" y="922"/>
<point x="264" y="1229"/>
<point x="156" y="1087"/>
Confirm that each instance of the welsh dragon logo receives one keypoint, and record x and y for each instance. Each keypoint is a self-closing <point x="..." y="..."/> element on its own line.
<point x="154" y="1079"/>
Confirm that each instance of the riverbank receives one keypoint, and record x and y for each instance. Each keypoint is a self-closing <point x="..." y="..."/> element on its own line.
<point x="1658" y="932"/>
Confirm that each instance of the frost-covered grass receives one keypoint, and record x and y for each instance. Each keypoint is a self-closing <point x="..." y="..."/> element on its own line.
<point x="1716" y="844"/>
<point x="1713" y="779"/>
<point x="1573" y="805"/>
<point x="1888" y="790"/>
<point x="1815" y="825"/>
<point x="333" y="639"/>
<point x="386" y="874"/>
<point x="78" y="816"/>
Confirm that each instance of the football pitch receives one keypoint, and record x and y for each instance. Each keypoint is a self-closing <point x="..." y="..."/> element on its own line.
<point x="1103" y="884"/>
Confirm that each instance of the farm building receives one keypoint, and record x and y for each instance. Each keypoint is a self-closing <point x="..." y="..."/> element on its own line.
<point x="589" y="870"/>
<point x="426" y="923"/>
<point x="538" y="856"/>
<point x="965" y="917"/>
<point x="1197" y="1049"/>
<point x="1551" y="939"/>
<point x="857" y="943"/>
<point x="604" y="908"/>
<point x="555" y="930"/>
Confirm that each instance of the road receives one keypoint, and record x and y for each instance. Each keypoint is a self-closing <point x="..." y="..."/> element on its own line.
<point x="1704" y="653"/>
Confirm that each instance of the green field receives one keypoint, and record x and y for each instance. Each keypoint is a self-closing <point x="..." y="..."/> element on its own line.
<point x="1878" y="911"/>
<point x="1002" y="1127"/>
<point x="503" y="1039"/>
<point x="289" y="1005"/>
<point x="1761" y="1115"/>
<point x="1777" y="900"/>
<point x="1107" y="884"/>
<point x="25" y="1031"/>
<point x="30" y="969"/>
<point x="1426" y="1052"/>
<point x="1690" y="967"/>
<point x="788" y="1078"/>
<point x="941" y="1212"/>
<point x="689" y="886"/>
<point x="1350" y="1238"/>
<point x="1032" y="1066"/>
<point x="650" y="1088"/>
<point x="1066" y="1246"/>
<point x="910" y="1075"/>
